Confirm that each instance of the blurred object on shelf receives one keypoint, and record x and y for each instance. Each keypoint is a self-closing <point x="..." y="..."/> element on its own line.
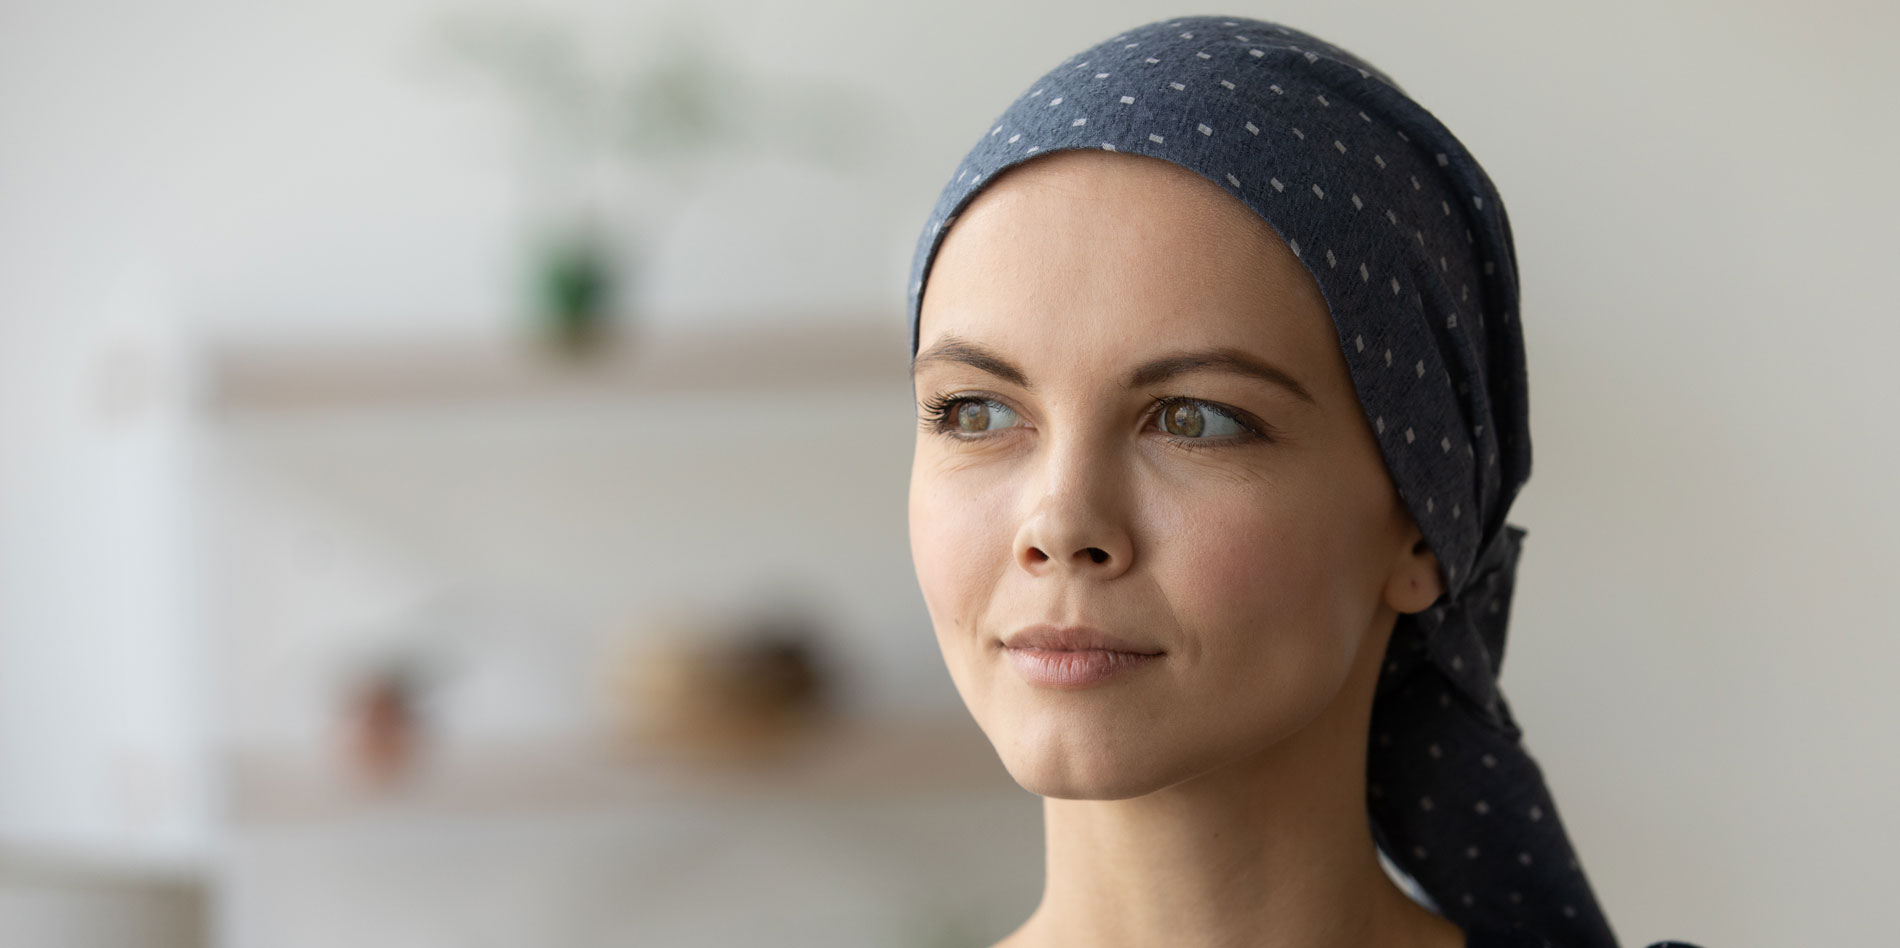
<point x="726" y="690"/>
<point x="578" y="288"/>
<point x="614" y="142"/>
<point x="383" y="729"/>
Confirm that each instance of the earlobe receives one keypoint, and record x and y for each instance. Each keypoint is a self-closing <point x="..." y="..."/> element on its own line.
<point x="1414" y="583"/>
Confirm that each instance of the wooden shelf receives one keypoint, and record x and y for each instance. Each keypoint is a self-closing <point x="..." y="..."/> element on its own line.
<point x="96" y="866"/>
<point x="793" y="354"/>
<point x="845" y="760"/>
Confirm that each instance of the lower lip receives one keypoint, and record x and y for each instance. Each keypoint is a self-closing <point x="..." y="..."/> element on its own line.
<point x="1079" y="669"/>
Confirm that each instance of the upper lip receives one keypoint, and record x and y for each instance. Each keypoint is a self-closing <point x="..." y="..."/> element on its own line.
<point x="1074" y="638"/>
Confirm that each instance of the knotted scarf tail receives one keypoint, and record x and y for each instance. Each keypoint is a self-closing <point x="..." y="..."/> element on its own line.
<point x="1457" y="802"/>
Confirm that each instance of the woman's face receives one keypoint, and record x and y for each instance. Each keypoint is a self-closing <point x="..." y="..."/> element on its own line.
<point x="1135" y="417"/>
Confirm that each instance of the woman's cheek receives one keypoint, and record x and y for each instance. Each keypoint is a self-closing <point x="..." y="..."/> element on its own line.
<point x="1262" y="579"/>
<point x="958" y="542"/>
<point x="933" y="537"/>
<point x="1240" y="551"/>
<point x="1272" y="639"/>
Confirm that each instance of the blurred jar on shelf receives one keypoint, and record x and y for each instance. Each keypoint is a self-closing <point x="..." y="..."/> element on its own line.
<point x="722" y="688"/>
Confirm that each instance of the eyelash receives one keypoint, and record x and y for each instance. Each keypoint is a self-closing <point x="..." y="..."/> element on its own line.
<point x="938" y="411"/>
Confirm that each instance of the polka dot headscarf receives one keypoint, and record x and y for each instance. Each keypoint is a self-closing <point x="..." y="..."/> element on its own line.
<point x="1412" y="249"/>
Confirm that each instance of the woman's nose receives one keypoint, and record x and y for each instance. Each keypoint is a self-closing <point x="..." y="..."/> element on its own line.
<point x="1092" y="554"/>
<point x="1078" y="525"/>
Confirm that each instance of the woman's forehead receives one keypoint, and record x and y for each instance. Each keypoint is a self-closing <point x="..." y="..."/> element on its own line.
<point x="1105" y="261"/>
<point x="1145" y="196"/>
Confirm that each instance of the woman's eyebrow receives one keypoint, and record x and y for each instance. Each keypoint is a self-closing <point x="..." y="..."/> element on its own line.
<point x="1218" y="359"/>
<point x="956" y="349"/>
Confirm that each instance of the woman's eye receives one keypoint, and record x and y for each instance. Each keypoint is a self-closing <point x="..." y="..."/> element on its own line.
<point x="1189" y="419"/>
<point x="977" y="415"/>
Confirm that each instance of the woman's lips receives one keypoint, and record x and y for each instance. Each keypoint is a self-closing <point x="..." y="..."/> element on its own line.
<point x="1081" y="668"/>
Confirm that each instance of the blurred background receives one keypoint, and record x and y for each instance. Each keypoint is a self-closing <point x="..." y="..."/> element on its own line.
<point x="452" y="487"/>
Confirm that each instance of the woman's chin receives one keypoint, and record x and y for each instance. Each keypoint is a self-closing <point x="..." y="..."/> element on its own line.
<point x="1056" y="758"/>
<point x="1098" y="782"/>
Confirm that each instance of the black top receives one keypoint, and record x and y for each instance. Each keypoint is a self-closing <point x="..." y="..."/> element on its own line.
<point x="1481" y="938"/>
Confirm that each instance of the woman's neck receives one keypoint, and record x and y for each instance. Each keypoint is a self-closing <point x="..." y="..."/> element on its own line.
<point x="1272" y="851"/>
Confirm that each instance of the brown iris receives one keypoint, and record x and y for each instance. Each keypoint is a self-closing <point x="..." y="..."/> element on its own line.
<point x="973" y="416"/>
<point x="1184" y="419"/>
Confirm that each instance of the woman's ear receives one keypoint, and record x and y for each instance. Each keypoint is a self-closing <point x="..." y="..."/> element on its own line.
<point x="1413" y="584"/>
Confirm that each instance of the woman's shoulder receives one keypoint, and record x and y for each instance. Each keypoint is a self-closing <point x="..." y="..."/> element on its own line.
<point x="1478" y="938"/>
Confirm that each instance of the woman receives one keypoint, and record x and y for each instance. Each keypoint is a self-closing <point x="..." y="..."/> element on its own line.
<point x="1222" y="406"/>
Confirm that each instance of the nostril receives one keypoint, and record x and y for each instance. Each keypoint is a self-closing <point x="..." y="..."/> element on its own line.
<point x="1098" y="555"/>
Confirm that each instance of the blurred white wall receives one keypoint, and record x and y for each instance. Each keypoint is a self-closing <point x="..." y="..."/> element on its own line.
<point x="1700" y="197"/>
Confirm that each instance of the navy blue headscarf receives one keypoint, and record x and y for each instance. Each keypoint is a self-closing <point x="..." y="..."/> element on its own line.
<point x="1412" y="249"/>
